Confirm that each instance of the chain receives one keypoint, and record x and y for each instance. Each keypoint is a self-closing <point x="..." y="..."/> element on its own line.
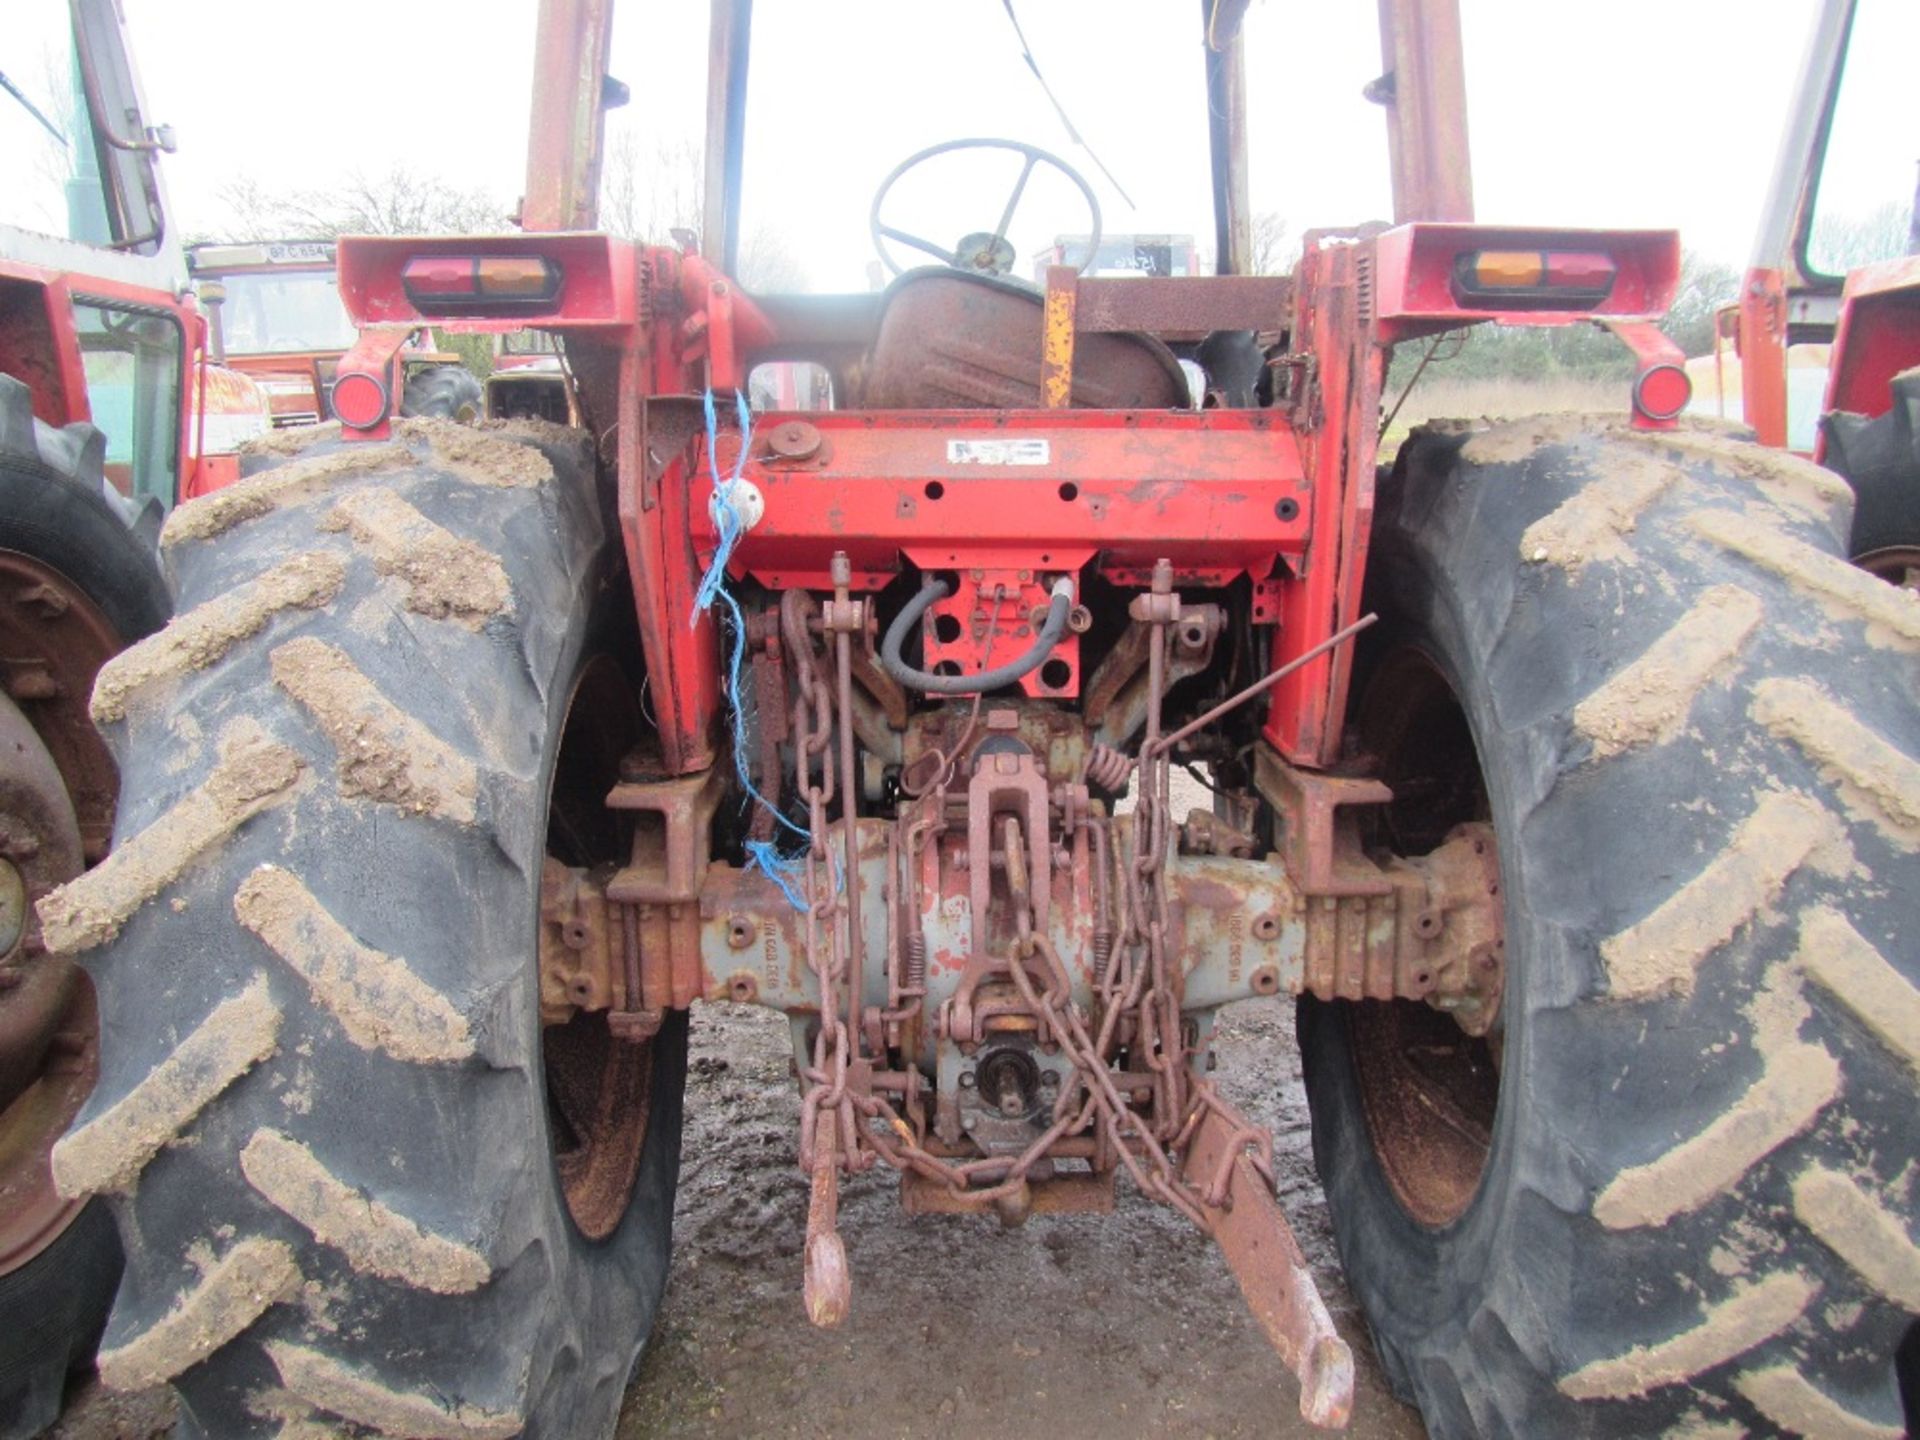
<point x="1137" y="998"/>
<point x="827" y="1091"/>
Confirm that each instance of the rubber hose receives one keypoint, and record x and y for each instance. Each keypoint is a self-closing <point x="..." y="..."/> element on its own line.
<point x="909" y="616"/>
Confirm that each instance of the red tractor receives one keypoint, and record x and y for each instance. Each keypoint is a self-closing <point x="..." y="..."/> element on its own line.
<point x="108" y="413"/>
<point x="275" y="314"/>
<point x="1564" y="775"/>
<point x="529" y="380"/>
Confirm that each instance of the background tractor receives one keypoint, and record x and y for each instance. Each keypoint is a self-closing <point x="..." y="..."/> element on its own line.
<point x="1563" y="774"/>
<point x="1822" y="350"/>
<point x="275" y="314"/>
<point x="108" y="413"/>
<point x="529" y="380"/>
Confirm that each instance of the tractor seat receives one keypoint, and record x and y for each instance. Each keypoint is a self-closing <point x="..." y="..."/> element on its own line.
<point x="950" y="340"/>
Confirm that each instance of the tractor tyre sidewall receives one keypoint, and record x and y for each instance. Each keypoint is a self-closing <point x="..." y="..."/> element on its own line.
<point x="64" y="525"/>
<point x="445" y="392"/>
<point x="456" y="1143"/>
<point x="1539" y="565"/>
<point x="1880" y="459"/>
<point x="54" y="510"/>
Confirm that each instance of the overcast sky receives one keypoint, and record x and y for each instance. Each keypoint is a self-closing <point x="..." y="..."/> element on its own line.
<point x="1622" y="113"/>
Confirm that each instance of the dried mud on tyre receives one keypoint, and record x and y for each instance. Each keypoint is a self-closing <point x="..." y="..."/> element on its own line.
<point x="1697" y="731"/>
<point x="323" y="1127"/>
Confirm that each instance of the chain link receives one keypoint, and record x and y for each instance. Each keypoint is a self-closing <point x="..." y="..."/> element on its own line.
<point x="1136" y="1002"/>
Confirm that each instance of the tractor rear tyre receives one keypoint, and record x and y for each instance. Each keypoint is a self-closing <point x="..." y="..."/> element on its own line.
<point x="75" y="585"/>
<point x="1880" y="458"/>
<point x="54" y="490"/>
<point x="1671" y="1192"/>
<point x="359" y="1185"/>
<point x="447" y="392"/>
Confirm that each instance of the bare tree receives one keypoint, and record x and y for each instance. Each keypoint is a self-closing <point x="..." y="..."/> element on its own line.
<point x="1269" y="254"/>
<point x="1705" y="285"/>
<point x="253" y="213"/>
<point x="399" y="201"/>
<point x="1843" y="242"/>
<point x="647" y="194"/>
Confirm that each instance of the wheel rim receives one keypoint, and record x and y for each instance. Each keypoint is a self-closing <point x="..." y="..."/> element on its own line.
<point x="57" y="788"/>
<point x="1895" y="564"/>
<point x="1429" y="1091"/>
<point x="599" y="1087"/>
<point x="32" y="1212"/>
<point x="50" y="628"/>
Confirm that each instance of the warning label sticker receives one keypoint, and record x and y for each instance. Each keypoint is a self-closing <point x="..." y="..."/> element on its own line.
<point x="998" y="452"/>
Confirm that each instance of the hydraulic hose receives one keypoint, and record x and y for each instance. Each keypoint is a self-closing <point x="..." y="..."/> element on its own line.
<point x="927" y="683"/>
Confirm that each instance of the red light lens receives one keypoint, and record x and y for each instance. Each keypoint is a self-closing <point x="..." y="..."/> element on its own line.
<point x="1578" y="270"/>
<point x="443" y="275"/>
<point x="1532" y="279"/>
<point x="1662" y="392"/>
<point x="359" y="400"/>
<point x="481" y="284"/>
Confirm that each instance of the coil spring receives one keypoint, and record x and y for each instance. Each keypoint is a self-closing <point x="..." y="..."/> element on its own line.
<point x="916" y="961"/>
<point x="1107" y="768"/>
<point x="1102" y="956"/>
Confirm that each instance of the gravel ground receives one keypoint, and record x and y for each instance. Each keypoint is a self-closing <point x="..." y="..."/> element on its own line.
<point x="1070" y="1326"/>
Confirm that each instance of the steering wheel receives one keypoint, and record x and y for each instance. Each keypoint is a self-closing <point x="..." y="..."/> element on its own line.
<point x="983" y="252"/>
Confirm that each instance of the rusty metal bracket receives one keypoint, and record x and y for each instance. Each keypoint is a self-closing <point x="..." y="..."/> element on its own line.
<point x="1319" y="841"/>
<point x="1005" y="780"/>
<point x="1459" y="959"/>
<point x="1116" y="696"/>
<point x="672" y="849"/>
<point x="1260" y="1249"/>
<point x="581" y="949"/>
<point x="867" y="673"/>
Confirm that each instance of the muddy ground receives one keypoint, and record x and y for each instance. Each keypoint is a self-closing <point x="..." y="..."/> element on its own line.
<point x="1127" y="1324"/>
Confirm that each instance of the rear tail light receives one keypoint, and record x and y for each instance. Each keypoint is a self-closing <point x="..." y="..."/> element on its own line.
<point x="1532" y="279"/>
<point x="1662" y="392"/>
<point x="481" y="284"/>
<point x="359" y="400"/>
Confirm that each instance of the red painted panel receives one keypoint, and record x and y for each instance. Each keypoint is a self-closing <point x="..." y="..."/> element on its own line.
<point x="1878" y="337"/>
<point x="1219" y="493"/>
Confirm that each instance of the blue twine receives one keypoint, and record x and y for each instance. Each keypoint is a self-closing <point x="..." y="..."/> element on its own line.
<point x="765" y="856"/>
<point x="762" y="855"/>
<point x="726" y="514"/>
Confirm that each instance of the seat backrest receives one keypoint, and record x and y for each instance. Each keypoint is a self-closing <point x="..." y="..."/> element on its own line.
<point x="950" y="340"/>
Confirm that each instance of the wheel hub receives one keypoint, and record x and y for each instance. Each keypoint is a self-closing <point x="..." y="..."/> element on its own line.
<point x="48" y="1050"/>
<point x="599" y="1083"/>
<point x="53" y="641"/>
<point x="1429" y="1074"/>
